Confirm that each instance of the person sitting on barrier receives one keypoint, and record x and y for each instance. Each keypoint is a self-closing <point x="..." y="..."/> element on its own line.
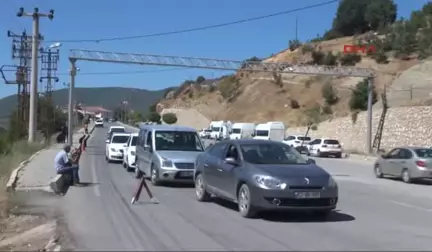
<point x="66" y="164"/>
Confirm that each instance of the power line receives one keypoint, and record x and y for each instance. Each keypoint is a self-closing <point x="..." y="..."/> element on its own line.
<point x="132" y="72"/>
<point x="196" y="28"/>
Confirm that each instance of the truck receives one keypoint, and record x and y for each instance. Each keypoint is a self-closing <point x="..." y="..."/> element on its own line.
<point x="220" y="129"/>
<point x="274" y="131"/>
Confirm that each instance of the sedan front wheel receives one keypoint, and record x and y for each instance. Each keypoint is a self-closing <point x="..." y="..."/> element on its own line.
<point x="245" y="206"/>
<point x="200" y="189"/>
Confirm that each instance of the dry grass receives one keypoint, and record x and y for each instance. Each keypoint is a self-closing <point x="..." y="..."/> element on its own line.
<point x="21" y="151"/>
<point x="261" y="100"/>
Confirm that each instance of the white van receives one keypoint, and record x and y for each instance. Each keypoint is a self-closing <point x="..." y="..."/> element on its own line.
<point x="242" y="130"/>
<point x="274" y="131"/>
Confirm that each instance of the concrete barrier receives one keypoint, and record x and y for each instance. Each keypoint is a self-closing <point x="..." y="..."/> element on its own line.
<point x="57" y="184"/>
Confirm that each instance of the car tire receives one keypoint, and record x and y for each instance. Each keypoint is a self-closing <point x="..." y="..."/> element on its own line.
<point x="200" y="189"/>
<point x="154" y="176"/>
<point x="378" y="172"/>
<point x="246" y="209"/>
<point x="318" y="153"/>
<point x="339" y="155"/>
<point x="108" y="160"/>
<point x="124" y="165"/>
<point x="406" y="176"/>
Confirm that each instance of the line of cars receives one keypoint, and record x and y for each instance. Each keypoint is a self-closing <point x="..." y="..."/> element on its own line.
<point x="258" y="175"/>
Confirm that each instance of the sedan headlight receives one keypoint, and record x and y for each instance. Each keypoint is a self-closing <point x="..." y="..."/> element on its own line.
<point x="268" y="182"/>
<point x="132" y="153"/>
<point x="331" y="182"/>
<point x="166" y="162"/>
<point x="113" y="150"/>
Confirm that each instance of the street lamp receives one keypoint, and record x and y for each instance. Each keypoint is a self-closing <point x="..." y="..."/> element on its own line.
<point x="55" y="45"/>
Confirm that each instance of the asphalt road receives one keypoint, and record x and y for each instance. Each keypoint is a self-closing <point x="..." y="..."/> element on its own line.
<point x="372" y="214"/>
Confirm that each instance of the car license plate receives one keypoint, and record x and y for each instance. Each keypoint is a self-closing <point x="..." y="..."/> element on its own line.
<point x="307" y="195"/>
<point x="185" y="174"/>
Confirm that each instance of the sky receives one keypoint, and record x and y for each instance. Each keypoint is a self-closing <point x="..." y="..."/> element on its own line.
<point x="96" y="19"/>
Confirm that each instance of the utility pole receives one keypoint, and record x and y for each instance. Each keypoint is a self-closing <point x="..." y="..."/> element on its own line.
<point x="296" y="29"/>
<point x="49" y="60"/>
<point x="36" y="15"/>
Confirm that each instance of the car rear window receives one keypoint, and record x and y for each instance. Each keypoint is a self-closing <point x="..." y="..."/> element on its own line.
<point x="303" y="138"/>
<point x="424" y="153"/>
<point x="331" y="141"/>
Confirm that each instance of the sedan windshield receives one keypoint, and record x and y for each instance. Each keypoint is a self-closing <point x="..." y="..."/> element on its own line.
<point x="120" y="139"/>
<point x="177" y="141"/>
<point x="271" y="154"/>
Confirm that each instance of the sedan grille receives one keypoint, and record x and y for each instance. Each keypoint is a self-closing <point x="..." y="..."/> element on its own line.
<point x="185" y="166"/>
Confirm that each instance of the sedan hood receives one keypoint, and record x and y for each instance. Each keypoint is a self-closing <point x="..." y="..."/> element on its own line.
<point x="180" y="156"/>
<point x="296" y="174"/>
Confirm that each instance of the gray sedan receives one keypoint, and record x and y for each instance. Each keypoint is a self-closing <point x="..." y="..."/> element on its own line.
<point x="407" y="163"/>
<point x="264" y="175"/>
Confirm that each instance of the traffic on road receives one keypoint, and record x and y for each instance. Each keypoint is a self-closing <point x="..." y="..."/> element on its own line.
<point x="361" y="212"/>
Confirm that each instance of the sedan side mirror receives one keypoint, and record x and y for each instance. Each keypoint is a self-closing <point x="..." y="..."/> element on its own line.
<point x="231" y="161"/>
<point x="311" y="161"/>
<point x="107" y="141"/>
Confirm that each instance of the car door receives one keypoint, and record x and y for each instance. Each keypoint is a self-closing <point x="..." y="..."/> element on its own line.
<point x="211" y="163"/>
<point x="405" y="157"/>
<point x="125" y="151"/>
<point x="391" y="164"/>
<point x="147" y="152"/>
<point x="225" y="176"/>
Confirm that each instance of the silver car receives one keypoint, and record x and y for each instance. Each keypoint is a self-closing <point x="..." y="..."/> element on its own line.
<point x="264" y="175"/>
<point x="167" y="153"/>
<point x="407" y="163"/>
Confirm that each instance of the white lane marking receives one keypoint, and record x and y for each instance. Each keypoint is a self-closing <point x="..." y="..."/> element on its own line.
<point x="410" y="206"/>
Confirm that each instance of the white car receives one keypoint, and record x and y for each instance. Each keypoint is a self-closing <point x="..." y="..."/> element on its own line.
<point x="115" y="129"/>
<point x="204" y="133"/>
<point x="296" y="140"/>
<point x="99" y="123"/>
<point x="129" y="154"/>
<point x="115" y="147"/>
<point x="321" y="147"/>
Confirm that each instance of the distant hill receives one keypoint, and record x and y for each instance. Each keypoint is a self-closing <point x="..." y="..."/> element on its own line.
<point x="108" y="97"/>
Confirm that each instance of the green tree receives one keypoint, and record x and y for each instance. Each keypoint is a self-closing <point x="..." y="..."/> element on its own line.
<point x="169" y="118"/>
<point x="350" y="17"/>
<point x="380" y="13"/>
<point x="359" y="96"/>
<point x="200" y="79"/>
<point x="154" y="117"/>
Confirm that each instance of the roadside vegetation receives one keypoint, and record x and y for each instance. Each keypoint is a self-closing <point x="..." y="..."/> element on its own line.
<point x="14" y="147"/>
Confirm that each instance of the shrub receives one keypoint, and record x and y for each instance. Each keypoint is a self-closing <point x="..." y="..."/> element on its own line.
<point x="294" y="104"/>
<point x="229" y="88"/>
<point x="307" y="49"/>
<point x="154" y="117"/>
<point x="350" y="59"/>
<point x="294" y="44"/>
<point x="169" y="118"/>
<point x="329" y="94"/>
<point x="359" y="96"/>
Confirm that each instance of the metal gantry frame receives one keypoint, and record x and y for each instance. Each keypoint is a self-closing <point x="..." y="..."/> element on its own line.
<point x="220" y="64"/>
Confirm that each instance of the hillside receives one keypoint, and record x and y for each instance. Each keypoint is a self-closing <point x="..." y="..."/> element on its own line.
<point x="108" y="97"/>
<point x="400" y="62"/>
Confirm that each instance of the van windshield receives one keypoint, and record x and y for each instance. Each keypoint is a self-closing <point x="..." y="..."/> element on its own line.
<point x="177" y="141"/>
<point x="215" y="129"/>
<point x="236" y="131"/>
<point x="261" y="133"/>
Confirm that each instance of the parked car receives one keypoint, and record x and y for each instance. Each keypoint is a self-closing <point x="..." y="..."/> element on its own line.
<point x="264" y="175"/>
<point x="99" y="123"/>
<point x="325" y="147"/>
<point x="130" y="152"/>
<point x="114" y="149"/>
<point x="407" y="163"/>
<point x="300" y="143"/>
<point x="114" y="129"/>
<point x="205" y="133"/>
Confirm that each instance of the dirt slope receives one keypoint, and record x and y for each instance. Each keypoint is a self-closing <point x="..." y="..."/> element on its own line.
<point x="259" y="97"/>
